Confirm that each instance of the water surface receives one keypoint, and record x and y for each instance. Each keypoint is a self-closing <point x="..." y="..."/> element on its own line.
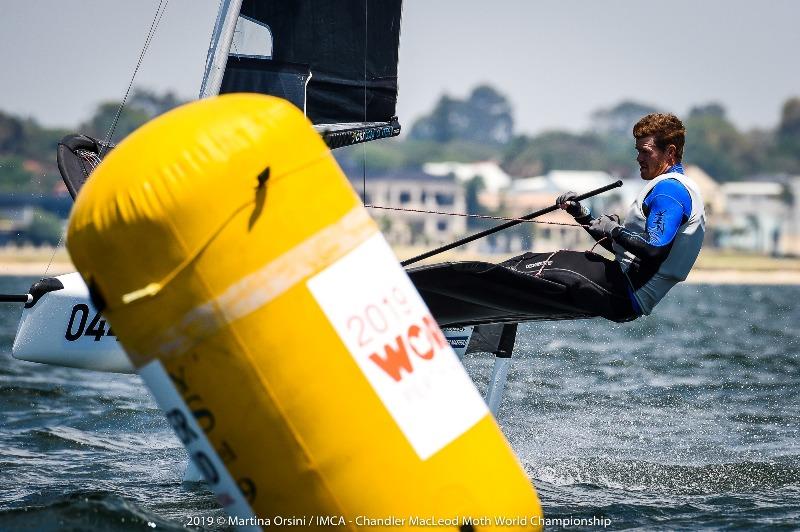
<point x="687" y="419"/>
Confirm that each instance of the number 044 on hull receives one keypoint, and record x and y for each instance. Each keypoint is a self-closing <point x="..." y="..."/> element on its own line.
<point x="62" y="327"/>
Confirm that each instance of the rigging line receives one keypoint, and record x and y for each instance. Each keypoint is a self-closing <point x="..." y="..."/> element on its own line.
<point x="53" y="256"/>
<point x="598" y="242"/>
<point x="364" y="174"/>
<point x="104" y="147"/>
<point x="469" y="215"/>
<point x="364" y="147"/>
<point x="151" y="33"/>
<point x="153" y="26"/>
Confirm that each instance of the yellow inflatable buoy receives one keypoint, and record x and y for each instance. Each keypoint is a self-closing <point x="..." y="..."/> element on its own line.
<point x="274" y="326"/>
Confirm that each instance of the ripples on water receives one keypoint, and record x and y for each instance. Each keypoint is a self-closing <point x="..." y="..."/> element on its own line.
<point x="687" y="419"/>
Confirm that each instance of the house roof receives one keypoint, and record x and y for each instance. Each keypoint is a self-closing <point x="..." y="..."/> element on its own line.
<point x="557" y="181"/>
<point x="699" y="176"/>
<point x="751" y="188"/>
<point x="494" y="178"/>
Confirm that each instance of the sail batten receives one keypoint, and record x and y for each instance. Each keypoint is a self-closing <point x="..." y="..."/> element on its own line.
<point x="345" y="134"/>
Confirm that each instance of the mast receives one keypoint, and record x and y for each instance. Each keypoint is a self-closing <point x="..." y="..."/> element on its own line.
<point x="220" y="46"/>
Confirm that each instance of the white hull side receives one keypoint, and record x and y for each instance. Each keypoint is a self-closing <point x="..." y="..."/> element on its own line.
<point x="63" y="328"/>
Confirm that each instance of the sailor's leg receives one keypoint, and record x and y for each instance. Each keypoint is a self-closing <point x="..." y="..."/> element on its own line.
<point x="593" y="282"/>
<point x="530" y="262"/>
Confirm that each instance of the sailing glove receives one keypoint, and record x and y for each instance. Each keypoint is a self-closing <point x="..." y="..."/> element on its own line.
<point x="567" y="202"/>
<point x="606" y="224"/>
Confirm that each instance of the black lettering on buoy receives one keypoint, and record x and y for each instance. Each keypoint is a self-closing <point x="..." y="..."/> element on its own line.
<point x="248" y="489"/>
<point x="206" y="466"/>
<point x="225" y="453"/>
<point x="181" y="426"/>
<point x="204" y="416"/>
<point x="179" y="380"/>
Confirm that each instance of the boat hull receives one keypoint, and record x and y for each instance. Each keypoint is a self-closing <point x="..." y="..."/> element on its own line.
<point x="64" y="328"/>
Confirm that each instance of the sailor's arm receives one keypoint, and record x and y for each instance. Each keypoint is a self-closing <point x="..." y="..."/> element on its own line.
<point x="655" y="243"/>
<point x="582" y="216"/>
<point x="668" y="206"/>
<point x="600" y="237"/>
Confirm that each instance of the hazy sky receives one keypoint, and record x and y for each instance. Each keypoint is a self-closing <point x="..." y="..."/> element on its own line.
<point x="556" y="60"/>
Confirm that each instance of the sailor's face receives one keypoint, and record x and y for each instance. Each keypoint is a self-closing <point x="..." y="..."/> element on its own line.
<point x="652" y="161"/>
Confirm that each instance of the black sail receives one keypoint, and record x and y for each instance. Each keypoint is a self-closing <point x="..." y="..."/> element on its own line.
<point x="336" y="60"/>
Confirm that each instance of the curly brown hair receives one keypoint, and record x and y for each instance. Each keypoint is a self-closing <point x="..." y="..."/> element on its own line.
<point x="666" y="129"/>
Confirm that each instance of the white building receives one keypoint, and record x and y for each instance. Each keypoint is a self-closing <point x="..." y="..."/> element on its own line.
<point x="13" y="220"/>
<point x="713" y="199"/>
<point x="529" y="194"/>
<point x="403" y="194"/>
<point x="792" y="241"/>
<point x="494" y="177"/>
<point x="757" y="217"/>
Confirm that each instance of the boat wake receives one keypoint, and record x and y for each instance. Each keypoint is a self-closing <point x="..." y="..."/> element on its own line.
<point x="636" y="475"/>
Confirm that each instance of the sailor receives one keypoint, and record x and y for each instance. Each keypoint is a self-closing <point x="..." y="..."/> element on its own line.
<point x="655" y="246"/>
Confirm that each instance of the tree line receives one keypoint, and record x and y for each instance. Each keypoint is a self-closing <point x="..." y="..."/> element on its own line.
<point x="477" y="127"/>
<point x="28" y="149"/>
<point x="481" y="126"/>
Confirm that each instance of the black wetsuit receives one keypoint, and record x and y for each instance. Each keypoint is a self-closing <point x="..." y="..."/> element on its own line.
<point x="593" y="282"/>
<point x="599" y="285"/>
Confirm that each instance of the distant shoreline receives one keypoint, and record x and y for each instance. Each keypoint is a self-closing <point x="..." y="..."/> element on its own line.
<point x="721" y="276"/>
<point x="759" y="277"/>
<point x="41" y="269"/>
